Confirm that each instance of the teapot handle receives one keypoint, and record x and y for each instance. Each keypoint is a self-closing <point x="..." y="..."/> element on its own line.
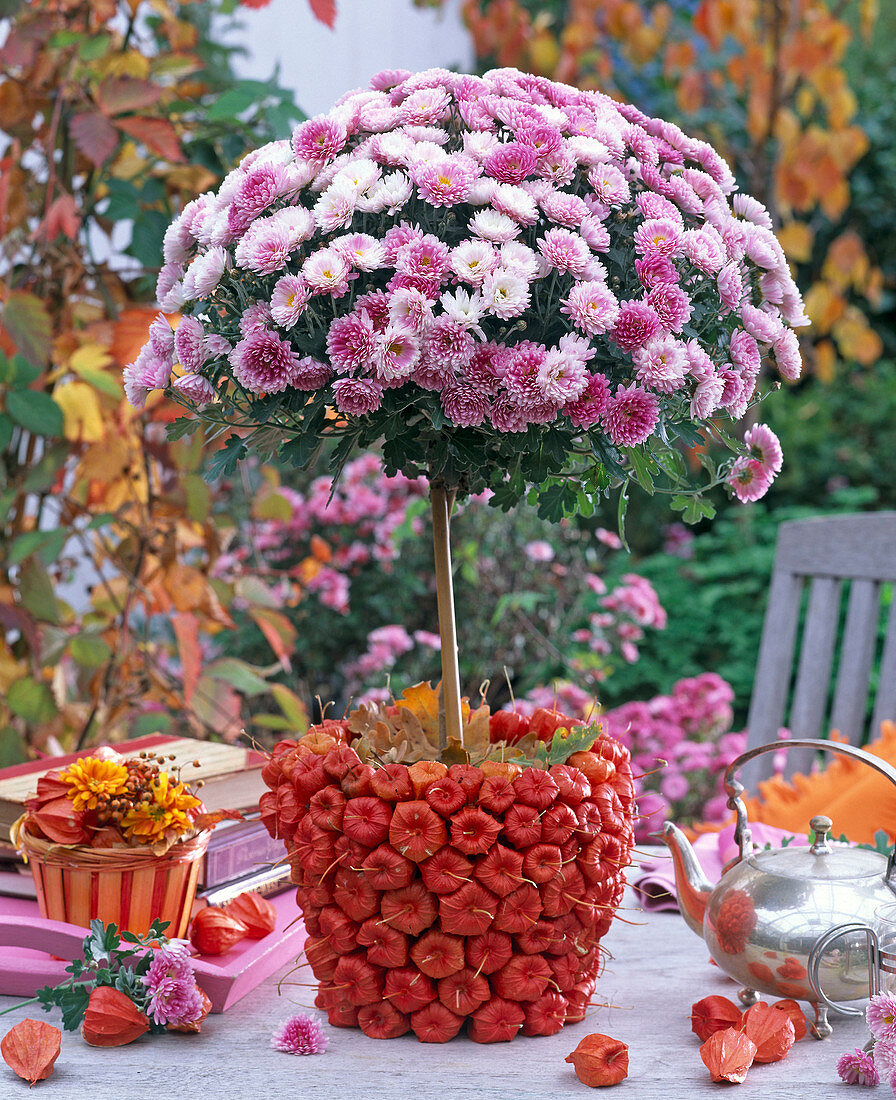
<point x="734" y="789"/>
<point x="818" y="948"/>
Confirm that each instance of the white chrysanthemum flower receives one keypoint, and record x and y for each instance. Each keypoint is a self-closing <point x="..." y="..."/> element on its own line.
<point x="588" y="150"/>
<point x="204" y="273"/>
<point x="360" y="175"/>
<point x="505" y="293"/>
<point x="297" y="221"/>
<point x="465" y="308"/>
<point x="393" y="191"/>
<point x="515" y="202"/>
<point x="425" y="152"/>
<point x="471" y="261"/>
<point x="335" y="208"/>
<point x="325" y="270"/>
<point x="479" y="144"/>
<point x="492" y="226"/>
<point x="519" y="257"/>
<point x="363" y="252"/>
<point x="394" y="148"/>
<point x="481" y="192"/>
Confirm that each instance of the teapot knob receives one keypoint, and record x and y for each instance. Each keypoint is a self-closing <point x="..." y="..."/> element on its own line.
<point x="820" y="826"/>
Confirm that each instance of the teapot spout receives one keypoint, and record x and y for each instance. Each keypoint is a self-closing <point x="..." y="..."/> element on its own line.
<point x="692" y="887"/>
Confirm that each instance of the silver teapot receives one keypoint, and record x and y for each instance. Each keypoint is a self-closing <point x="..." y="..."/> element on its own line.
<point x="774" y="913"/>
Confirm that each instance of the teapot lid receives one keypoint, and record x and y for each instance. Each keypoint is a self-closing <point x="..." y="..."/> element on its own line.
<point x="821" y="861"/>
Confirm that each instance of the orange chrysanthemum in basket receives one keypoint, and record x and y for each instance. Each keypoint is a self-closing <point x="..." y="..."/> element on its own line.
<point x="166" y="813"/>
<point x="93" y="781"/>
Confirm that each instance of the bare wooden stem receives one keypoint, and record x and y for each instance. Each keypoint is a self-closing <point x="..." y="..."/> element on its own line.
<point x="442" y="500"/>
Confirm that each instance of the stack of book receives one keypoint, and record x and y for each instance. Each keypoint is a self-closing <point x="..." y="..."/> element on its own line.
<point x="240" y="854"/>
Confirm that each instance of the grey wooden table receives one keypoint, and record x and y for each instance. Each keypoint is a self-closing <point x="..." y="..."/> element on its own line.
<point x="659" y="969"/>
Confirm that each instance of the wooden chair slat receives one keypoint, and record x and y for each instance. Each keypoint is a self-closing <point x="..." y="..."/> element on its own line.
<point x="856" y="657"/>
<point x="885" y="701"/>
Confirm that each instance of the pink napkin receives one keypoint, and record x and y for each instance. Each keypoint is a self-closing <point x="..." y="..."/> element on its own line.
<point x="654" y="881"/>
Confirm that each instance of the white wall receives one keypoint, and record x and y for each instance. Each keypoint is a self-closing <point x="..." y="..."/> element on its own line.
<point x="369" y="35"/>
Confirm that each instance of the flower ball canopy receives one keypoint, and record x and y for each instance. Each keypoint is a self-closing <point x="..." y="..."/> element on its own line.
<point x="504" y="280"/>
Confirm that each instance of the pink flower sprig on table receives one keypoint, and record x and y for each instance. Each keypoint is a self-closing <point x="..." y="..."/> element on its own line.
<point x="300" y="1034"/>
<point x="857" y="1068"/>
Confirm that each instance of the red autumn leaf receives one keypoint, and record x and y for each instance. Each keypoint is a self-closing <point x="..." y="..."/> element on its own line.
<point x="324" y="11"/>
<point x="31" y="1048"/>
<point x="94" y="136"/>
<point x="62" y="219"/>
<point x="118" y="94"/>
<point x="157" y="134"/>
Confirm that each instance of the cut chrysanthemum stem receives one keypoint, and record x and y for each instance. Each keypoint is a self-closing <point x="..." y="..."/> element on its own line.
<point x="442" y="501"/>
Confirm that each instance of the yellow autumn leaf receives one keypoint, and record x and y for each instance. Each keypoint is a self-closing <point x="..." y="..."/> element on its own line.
<point x="825" y="361"/>
<point x="824" y="305"/>
<point x="128" y="63"/>
<point x="796" y="239"/>
<point x="855" y="339"/>
<point x="10" y="669"/>
<point x="89" y="357"/>
<point x="81" y="408"/>
<point x="846" y="263"/>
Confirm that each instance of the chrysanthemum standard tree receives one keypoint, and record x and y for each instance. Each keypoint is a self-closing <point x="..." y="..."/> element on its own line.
<point x="505" y="282"/>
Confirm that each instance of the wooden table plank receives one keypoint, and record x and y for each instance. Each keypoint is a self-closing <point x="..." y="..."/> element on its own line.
<point x="660" y="968"/>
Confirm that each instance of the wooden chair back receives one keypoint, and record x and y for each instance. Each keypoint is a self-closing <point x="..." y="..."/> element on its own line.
<point x="825" y="679"/>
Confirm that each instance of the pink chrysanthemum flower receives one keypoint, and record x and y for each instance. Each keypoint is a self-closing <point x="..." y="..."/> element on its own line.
<point x="744" y="351"/>
<point x="195" y="388"/>
<point x="515" y="203"/>
<point x="507" y="415"/>
<point x="161" y="337"/>
<point x="145" y="374"/>
<point x="465" y="405"/>
<point x="410" y="309"/>
<point x="765" y="446"/>
<point x="523" y="364"/>
<point x="335" y="208"/>
<point x="562" y="377"/>
<point x="173" y="995"/>
<point x="707" y="397"/>
<point x="880" y="1014"/>
<point x="264" y="248"/>
<point x="446" y="182"/>
<point x="260" y="188"/>
<point x="857" y="1068"/>
<point x="311" y="374"/>
<point x="662" y="235"/>
<point x="630" y="416"/>
<point x="448" y="342"/>
<point x="749" y="479"/>
<point x="586" y="410"/>
<point x="425" y="106"/>
<point x="396" y="353"/>
<point x="300" y="1035"/>
<point x="761" y="325"/>
<point x="787" y="354"/>
<point x="655" y="207"/>
<point x="731" y="285"/>
<point x="654" y="269"/>
<point x="189" y="344"/>
<point x="542" y="138"/>
<point x="672" y="305"/>
<point x="426" y="257"/>
<point x="357" y="396"/>
<point x="288" y="300"/>
<point x="661" y="363"/>
<point x="635" y="325"/>
<point x="565" y="251"/>
<point x="511" y="163"/>
<point x="376" y="305"/>
<point x="350" y="342"/>
<point x="609" y="184"/>
<point x="255" y="318"/>
<point x="319" y="139"/>
<point x="326" y="272"/>
<point x="262" y="362"/>
<point x="705" y="249"/>
<point x="205" y="272"/>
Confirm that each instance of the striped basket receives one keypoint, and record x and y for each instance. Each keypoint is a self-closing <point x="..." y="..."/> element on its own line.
<point x="130" y="886"/>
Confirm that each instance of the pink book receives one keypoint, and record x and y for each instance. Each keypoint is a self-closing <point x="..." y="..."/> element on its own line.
<point x="34" y="952"/>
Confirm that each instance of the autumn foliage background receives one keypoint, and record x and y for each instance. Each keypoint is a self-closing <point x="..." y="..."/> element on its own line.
<point x="118" y="113"/>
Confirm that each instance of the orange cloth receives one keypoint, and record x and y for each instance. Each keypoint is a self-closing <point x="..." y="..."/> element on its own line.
<point x="859" y="801"/>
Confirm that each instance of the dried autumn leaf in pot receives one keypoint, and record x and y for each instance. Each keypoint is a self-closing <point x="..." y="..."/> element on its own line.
<point x="31" y="1048"/>
<point x="600" y="1060"/>
<point x="728" y="1055"/>
<point x="712" y="1014"/>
